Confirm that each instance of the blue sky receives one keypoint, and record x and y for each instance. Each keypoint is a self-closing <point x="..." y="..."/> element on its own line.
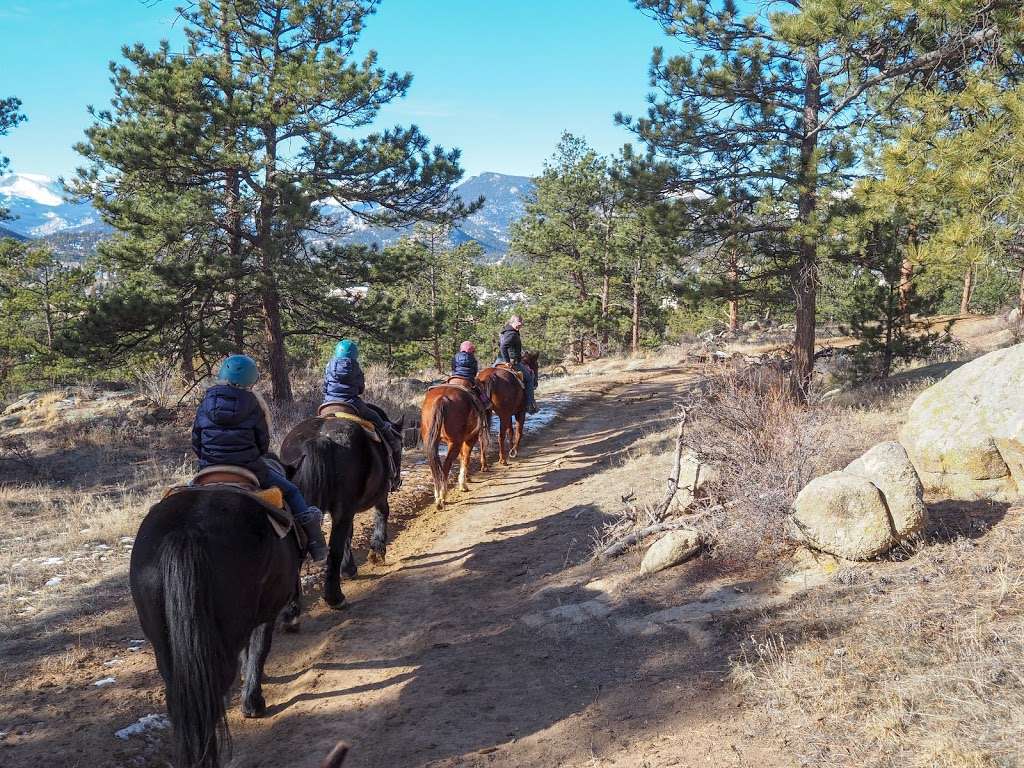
<point x="500" y="80"/>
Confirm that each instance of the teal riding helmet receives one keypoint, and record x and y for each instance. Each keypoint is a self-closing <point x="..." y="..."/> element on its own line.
<point x="239" y="370"/>
<point x="346" y="348"/>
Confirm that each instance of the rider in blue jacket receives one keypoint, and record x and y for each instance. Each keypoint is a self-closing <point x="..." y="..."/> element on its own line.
<point x="344" y="383"/>
<point x="232" y="427"/>
<point x="466" y="367"/>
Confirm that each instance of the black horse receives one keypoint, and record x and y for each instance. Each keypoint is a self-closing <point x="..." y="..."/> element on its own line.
<point x="341" y="469"/>
<point x="209" y="575"/>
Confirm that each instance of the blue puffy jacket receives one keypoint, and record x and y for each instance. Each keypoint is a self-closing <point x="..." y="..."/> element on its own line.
<point x="343" y="381"/>
<point x="230" y="428"/>
<point x="464" y="364"/>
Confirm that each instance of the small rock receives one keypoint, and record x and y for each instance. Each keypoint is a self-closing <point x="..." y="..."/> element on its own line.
<point x="673" y="548"/>
<point x="144" y="724"/>
<point x="105" y="681"/>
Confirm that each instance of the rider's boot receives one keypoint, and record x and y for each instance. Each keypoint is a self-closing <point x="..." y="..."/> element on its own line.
<point x="394" y="448"/>
<point x="311" y="524"/>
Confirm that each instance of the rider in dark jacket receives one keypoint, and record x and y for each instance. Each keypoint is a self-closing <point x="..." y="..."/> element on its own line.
<point x="344" y="383"/>
<point x="232" y="427"/>
<point x="510" y="350"/>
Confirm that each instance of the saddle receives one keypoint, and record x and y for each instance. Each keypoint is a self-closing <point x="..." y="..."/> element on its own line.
<point x="475" y="393"/>
<point x="514" y="371"/>
<point x="226" y="477"/>
<point x="348" y="413"/>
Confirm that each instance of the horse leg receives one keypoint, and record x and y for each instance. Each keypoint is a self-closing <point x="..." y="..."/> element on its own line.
<point x="464" y="455"/>
<point x="290" y="615"/>
<point x="379" y="540"/>
<point x="503" y="433"/>
<point x="348" y="560"/>
<point x="253" y="703"/>
<point x="342" y="521"/>
<point x="518" y="433"/>
<point x="453" y="450"/>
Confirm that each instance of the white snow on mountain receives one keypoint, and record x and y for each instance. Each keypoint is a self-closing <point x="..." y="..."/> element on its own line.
<point x="38" y="206"/>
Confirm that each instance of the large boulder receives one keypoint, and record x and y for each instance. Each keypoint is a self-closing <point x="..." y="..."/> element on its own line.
<point x="965" y="434"/>
<point x="673" y="548"/>
<point x="864" y="510"/>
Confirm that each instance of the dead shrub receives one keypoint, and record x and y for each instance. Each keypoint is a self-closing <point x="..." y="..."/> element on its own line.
<point x="766" y="448"/>
<point x="160" y="387"/>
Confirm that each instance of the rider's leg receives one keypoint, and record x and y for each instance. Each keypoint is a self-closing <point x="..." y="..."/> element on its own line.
<point x="392" y="441"/>
<point x="531" y="386"/>
<point x="310" y="518"/>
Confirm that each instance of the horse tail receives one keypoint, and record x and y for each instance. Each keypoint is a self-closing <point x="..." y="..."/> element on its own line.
<point x="200" y="668"/>
<point x="433" y="439"/>
<point x="318" y="477"/>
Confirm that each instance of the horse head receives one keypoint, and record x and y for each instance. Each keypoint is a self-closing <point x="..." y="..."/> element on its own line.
<point x="532" y="361"/>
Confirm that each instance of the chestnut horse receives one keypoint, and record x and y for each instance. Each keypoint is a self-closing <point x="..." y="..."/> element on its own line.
<point x="508" y="400"/>
<point x="453" y="414"/>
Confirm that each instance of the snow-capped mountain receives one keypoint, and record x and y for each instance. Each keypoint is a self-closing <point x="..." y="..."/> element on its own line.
<point x="38" y="206"/>
<point x="40" y="209"/>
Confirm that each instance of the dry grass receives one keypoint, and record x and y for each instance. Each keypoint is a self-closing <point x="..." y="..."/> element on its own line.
<point x="905" y="664"/>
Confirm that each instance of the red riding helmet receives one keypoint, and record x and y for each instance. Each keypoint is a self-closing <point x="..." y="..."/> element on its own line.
<point x="468" y="346"/>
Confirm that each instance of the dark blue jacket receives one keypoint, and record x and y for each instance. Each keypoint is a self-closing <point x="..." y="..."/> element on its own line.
<point x="464" y="364"/>
<point x="510" y="345"/>
<point x="343" y="381"/>
<point x="230" y="428"/>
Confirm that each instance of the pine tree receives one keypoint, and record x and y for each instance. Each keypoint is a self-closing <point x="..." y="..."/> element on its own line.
<point x="39" y="296"/>
<point x="10" y="116"/>
<point x="246" y="130"/>
<point x="769" y="107"/>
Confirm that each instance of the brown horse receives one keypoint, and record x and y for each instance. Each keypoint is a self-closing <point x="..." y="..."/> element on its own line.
<point x="508" y="400"/>
<point x="450" y="413"/>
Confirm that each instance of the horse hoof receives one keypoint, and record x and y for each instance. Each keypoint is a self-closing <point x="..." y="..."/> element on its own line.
<point x="336" y="600"/>
<point x="340" y="606"/>
<point x="291" y="627"/>
<point x="254" y="711"/>
<point x="351" y="570"/>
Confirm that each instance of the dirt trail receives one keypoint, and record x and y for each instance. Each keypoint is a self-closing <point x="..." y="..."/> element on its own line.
<point x="489" y="640"/>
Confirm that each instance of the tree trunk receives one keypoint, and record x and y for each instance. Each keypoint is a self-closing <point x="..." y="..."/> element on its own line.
<point x="1020" y="294"/>
<point x="734" y="303"/>
<point x="232" y="198"/>
<point x="907" y="274"/>
<point x="637" y="267"/>
<point x="965" y="298"/>
<point x="805" y="274"/>
<point x="273" y="328"/>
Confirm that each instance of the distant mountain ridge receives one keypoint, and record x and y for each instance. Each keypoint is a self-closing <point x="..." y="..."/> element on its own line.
<point x="73" y="229"/>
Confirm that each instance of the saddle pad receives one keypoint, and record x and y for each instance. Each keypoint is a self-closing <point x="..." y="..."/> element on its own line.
<point x="271" y="499"/>
<point x="368" y="426"/>
<point x="216" y="473"/>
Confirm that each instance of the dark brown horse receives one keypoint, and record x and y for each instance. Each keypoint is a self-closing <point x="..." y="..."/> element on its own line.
<point x="508" y="400"/>
<point x="453" y="414"/>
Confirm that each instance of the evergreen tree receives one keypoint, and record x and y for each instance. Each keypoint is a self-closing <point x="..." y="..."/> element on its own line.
<point x="217" y="162"/>
<point x="39" y="296"/>
<point x="769" y="107"/>
<point x="10" y="116"/>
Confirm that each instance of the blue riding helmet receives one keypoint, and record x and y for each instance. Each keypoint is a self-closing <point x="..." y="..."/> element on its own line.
<point x="239" y="370"/>
<point x="346" y="348"/>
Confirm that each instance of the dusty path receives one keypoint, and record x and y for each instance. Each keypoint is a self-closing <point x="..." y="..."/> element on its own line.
<point x="487" y="641"/>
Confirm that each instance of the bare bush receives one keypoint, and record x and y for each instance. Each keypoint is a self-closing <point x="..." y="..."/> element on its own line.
<point x="159" y="386"/>
<point x="766" y="448"/>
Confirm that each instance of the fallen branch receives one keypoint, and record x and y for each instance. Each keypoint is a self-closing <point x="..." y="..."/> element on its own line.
<point x="616" y="548"/>
<point x="673" y="480"/>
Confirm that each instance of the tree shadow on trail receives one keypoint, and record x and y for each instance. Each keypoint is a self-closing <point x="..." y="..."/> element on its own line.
<point x="500" y="652"/>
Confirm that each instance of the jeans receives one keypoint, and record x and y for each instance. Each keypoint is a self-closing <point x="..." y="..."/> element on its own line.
<point x="292" y="495"/>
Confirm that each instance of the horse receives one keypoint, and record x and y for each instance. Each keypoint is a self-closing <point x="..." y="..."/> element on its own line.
<point x="340" y="468"/>
<point x="209" y="576"/>
<point x="508" y="400"/>
<point x="452" y="413"/>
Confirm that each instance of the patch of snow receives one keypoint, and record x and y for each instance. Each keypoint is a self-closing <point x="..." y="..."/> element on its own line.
<point x="30" y="186"/>
<point x="114" y="662"/>
<point x="53" y="561"/>
<point x="105" y="681"/>
<point x="144" y="724"/>
<point x="127" y="540"/>
<point x="54" y="581"/>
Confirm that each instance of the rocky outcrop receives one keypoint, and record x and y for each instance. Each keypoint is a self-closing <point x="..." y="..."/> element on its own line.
<point x="965" y="434"/>
<point x="673" y="548"/>
<point x="864" y="510"/>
